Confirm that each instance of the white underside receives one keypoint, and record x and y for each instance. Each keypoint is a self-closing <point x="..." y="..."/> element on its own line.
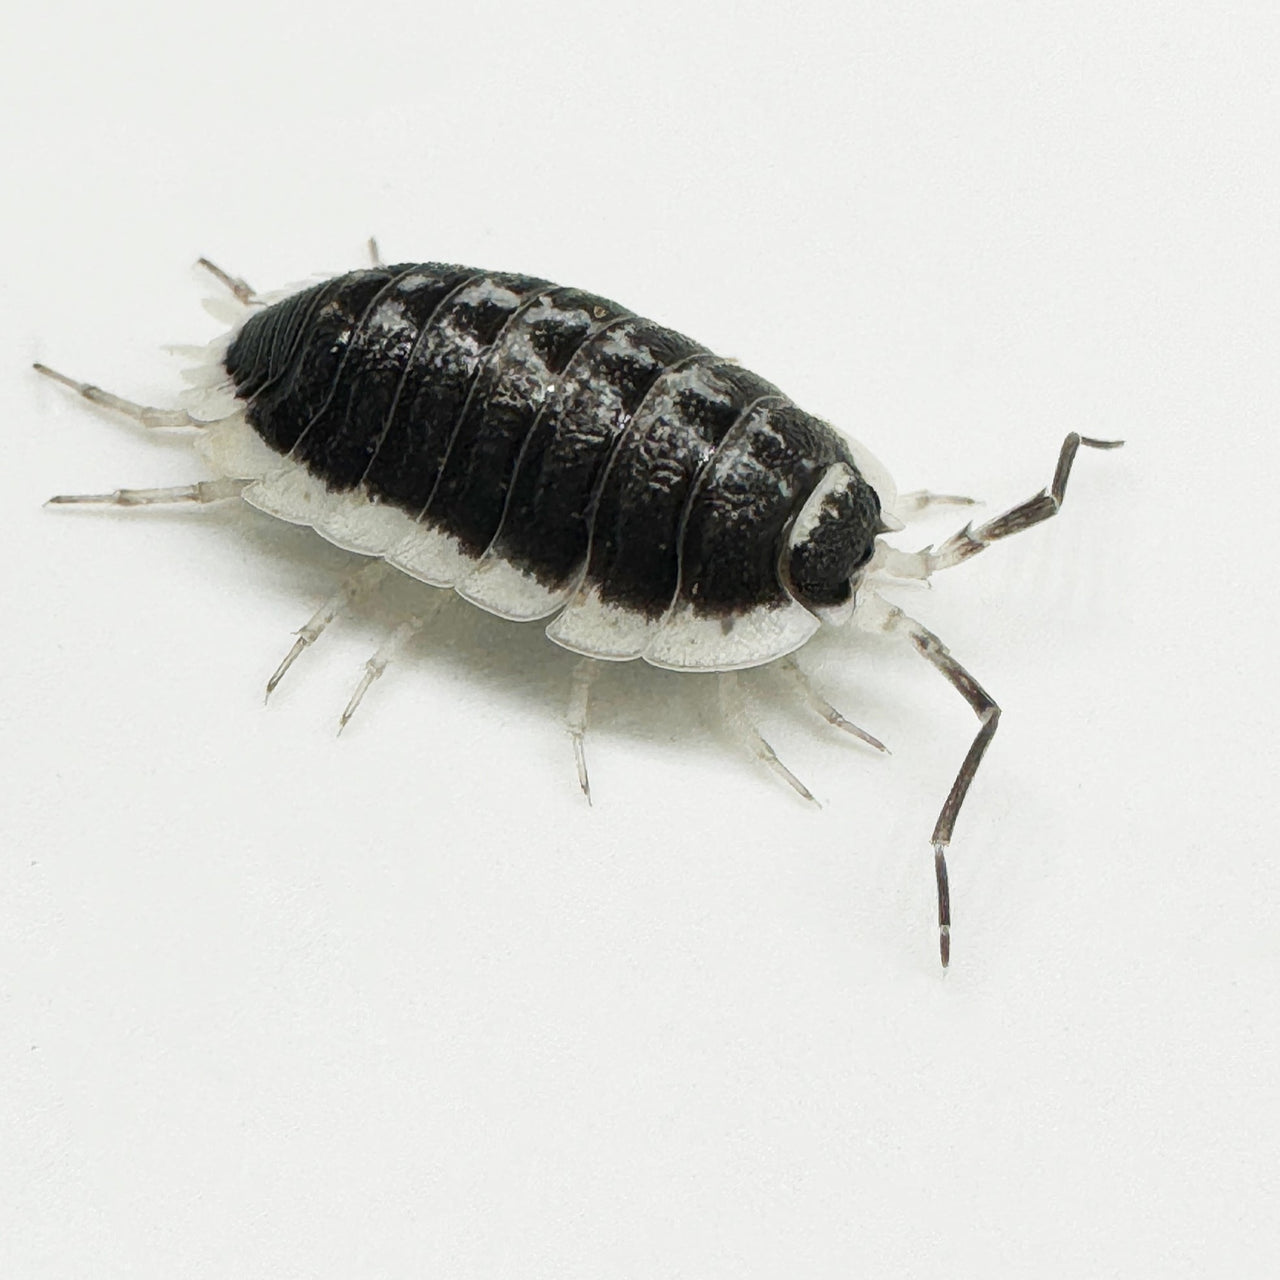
<point x="687" y="642"/>
<point x="681" y="640"/>
<point x="355" y="522"/>
<point x="582" y="622"/>
<point x="431" y="556"/>
<point x="503" y="588"/>
<point x="589" y="626"/>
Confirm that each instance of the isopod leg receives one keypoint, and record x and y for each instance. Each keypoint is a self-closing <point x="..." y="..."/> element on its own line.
<point x="243" y="291"/>
<point x="734" y="708"/>
<point x="366" y="576"/>
<point x="147" y="415"/>
<point x="202" y="492"/>
<point x="920" y="500"/>
<point x="824" y="708"/>
<point x="1048" y="502"/>
<point x="375" y="255"/>
<point x="984" y="707"/>
<point x="579" y="697"/>
<point x="387" y="652"/>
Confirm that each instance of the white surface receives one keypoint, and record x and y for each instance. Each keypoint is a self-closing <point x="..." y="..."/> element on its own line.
<point x="402" y="1005"/>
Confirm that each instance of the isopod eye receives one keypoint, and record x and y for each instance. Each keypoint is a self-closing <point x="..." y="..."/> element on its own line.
<point x="831" y="539"/>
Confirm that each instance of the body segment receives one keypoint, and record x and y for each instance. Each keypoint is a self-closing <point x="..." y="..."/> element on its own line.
<point x="538" y="447"/>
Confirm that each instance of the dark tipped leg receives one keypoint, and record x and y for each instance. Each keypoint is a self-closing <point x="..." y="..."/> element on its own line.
<point x="243" y="291"/>
<point x="203" y="492"/>
<point x="364" y="578"/>
<point x="988" y="713"/>
<point x="381" y="660"/>
<point x="921" y="500"/>
<point x="147" y="415"/>
<point x="824" y="708"/>
<point x="584" y="675"/>
<point x="733" y="706"/>
<point x="969" y="541"/>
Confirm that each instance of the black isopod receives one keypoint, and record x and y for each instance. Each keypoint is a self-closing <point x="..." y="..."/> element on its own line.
<point x="548" y="454"/>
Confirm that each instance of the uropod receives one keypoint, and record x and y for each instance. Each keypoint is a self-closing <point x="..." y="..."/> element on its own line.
<point x="551" y="456"/>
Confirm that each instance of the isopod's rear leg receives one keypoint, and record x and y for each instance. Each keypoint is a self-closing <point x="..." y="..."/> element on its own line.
<point x="819" y="704"/>
<point x="734" y="708"/>
<point x="241" y="289"/>
<point x="202" y="492"/>
<point x="584" y="675"/>
<point x="147" y="415"/>
<point x="984" y="707"/>
<point x="365" y="577"/>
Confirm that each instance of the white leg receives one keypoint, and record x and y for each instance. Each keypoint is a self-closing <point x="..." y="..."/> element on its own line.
<point x="233" y="283"/>
<point x="375" y="257"/>
<point x="824" y="708"/>
<point x="387" y="652"/>
<point x="204" y="491"/>
<point x="579" y="696"/>
<point x="365" y="577"/>
<point x="734" y="708"/>
<point x="147" y="415"/>
<point x="920" y="500"/>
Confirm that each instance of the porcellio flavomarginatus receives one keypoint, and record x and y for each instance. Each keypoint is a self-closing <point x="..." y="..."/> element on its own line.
<point x="549" y="455"/>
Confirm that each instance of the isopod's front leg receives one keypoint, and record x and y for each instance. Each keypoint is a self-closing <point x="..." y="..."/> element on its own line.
<point x="919" y="501"/>
<point x="892" y="619"/>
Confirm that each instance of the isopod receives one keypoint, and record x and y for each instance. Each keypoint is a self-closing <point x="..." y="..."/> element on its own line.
<point x="550" y="455"/>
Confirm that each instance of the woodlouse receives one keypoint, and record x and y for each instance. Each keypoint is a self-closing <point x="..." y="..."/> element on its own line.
<point x="547" y="454"/>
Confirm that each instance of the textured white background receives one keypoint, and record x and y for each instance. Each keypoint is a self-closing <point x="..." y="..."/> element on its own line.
<point x="277" y="1005"/>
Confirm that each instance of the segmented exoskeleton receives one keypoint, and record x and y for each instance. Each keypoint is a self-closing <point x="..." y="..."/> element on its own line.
<point x="547" y="454"/>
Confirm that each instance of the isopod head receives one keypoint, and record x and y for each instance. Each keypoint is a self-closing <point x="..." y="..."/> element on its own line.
<point x="831" y="542"/>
